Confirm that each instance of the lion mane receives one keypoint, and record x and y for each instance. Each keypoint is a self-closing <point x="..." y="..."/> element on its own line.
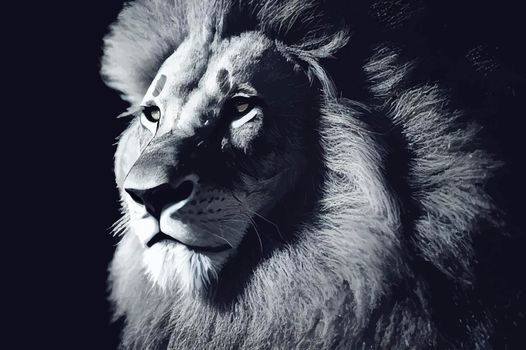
<point x="383" y="253"/>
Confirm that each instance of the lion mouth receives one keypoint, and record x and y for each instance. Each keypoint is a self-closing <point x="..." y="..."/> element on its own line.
<point x="163" y="237"/>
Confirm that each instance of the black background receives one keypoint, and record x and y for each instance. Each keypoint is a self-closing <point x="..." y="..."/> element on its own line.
<point x="58" y="134"/>
<point x="63" y="196"/>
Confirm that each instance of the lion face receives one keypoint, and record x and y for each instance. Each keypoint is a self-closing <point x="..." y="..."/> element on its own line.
<point x="218" y="140"/>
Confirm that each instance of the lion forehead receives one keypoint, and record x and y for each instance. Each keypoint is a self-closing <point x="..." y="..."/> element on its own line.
<point x="201" y="73"/>
<point x="202" y="64"/>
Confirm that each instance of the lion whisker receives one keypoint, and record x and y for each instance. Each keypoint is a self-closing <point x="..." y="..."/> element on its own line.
<point x="252" y="222"/>
<point x="221" y="237"/>
<point x="119" y="227"/>
<point x="276" y="227"/>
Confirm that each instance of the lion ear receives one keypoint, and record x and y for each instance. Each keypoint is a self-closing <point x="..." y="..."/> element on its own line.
<point x="308" y="54"/>
<point x="143" y="36"/>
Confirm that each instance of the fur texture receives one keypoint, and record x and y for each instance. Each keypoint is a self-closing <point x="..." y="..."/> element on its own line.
<point x="386" y="232"/>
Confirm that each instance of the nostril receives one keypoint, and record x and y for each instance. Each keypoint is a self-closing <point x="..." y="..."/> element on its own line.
<point x="156" y="198"/>
<point x="136" y="195"/>
<point x="183" y="191"/>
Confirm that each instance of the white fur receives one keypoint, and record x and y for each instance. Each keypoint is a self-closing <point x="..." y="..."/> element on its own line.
<point x="189" y="275"/>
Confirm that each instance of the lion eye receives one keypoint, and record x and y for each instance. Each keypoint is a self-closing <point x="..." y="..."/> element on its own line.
<point x="242" y="107"/>
<point x="241" y="104"/>
<point x="152" y="113"/>
<point x="243" y="110"/>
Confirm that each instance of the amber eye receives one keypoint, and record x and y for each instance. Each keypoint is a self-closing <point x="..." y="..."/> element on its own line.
<point x="152" y="113"/>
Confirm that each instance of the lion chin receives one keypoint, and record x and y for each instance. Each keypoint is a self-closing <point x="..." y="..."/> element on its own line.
<point x="177" y="268"/>
<point x="264" y="208"/>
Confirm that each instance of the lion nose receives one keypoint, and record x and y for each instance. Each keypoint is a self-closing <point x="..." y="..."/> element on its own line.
<point x="155" y="199"/>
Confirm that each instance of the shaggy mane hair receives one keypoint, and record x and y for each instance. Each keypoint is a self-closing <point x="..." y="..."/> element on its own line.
<point x="388" y="243"/>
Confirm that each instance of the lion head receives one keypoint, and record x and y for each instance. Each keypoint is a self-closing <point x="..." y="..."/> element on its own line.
<point x="264" y="209"/>
<point x="218" y="140"/>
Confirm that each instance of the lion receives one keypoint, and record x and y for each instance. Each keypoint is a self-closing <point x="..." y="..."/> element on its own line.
<point x="264" y="207"/>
